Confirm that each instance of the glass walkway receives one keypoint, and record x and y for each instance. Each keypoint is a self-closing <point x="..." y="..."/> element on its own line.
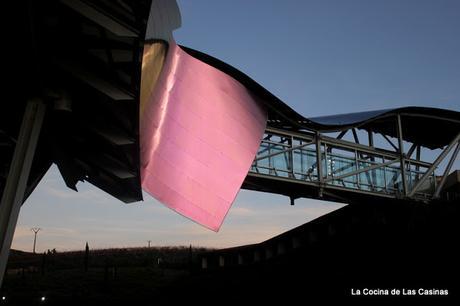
<point x="328" y="162"/>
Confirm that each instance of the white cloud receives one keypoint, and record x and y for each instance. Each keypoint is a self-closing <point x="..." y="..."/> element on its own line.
<point x="241" y="211"/>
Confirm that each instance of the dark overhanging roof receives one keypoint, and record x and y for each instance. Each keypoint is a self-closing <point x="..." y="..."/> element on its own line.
<point x="429" y="127"/>
<point x="89" y="52"/>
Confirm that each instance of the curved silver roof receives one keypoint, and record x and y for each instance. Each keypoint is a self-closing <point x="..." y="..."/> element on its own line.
<point x="425" y="126"/>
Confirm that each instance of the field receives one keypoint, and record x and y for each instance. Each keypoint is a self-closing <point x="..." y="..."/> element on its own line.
<point x="115" y="276"/>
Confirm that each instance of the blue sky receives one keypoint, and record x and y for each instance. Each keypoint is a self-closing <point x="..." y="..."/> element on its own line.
<point x="321" y="57"/>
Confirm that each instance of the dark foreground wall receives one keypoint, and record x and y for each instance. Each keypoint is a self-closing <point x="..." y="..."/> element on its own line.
<point x="368" y="246"/>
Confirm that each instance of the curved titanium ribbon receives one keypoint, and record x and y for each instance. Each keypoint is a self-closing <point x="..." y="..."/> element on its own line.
<point x="199" y="133"/>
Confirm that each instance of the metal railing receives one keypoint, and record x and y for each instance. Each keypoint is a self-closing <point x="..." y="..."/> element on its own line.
<point x="334" y="163"/>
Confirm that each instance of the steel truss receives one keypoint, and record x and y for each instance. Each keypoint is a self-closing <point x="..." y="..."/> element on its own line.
<point x="350" y="165"/>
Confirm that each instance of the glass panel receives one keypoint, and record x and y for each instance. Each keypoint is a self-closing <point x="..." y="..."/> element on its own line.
<point x="305" y="163"/>
<point x="337" y="162"/>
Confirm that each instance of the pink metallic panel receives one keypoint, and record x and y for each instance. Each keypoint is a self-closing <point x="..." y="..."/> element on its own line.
<point x="199" y="131"/>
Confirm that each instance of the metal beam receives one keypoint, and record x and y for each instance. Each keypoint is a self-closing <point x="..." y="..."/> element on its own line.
<point x="370" y="136"/>
<point x="355" y="135"/>
<point x="317" y="185"/>
<point x="401" y="153"/>
<point x="113" y="135"/>
<point x="16" y="183"/>
<point x="283" y="151"/>
<point x="446" y="171"/>
<point x="361" y="170"/>
<point x="319" y="158"/>
<point x="100" y="84"/>
<point x="360" y="147"/>
<point x="291" y="157"/>
<point x="95" y="15"/>
<point x="346" y="144"/>
<point x="341" y="144"/>
<point x="303" y="135"/>
<point x="340" y="136"/>
<point x="389" y="141"/>
<point x="438" y="160"/>
<point x="417" y="157"/>
<point x="411" y="150"/>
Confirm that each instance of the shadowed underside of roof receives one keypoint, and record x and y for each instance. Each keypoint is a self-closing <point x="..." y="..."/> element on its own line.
<point x="82" y="59"/>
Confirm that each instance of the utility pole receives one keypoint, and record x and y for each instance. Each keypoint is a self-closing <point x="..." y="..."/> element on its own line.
<point x="86" y="261"/>
<point x="35" y="230"/>
<point x="149" y="242"/>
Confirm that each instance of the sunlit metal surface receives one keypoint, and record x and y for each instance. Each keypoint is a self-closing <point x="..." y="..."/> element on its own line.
<point x="199" y="132"/>
<point x="152" y="64"/>
<point x="164" y="17"/>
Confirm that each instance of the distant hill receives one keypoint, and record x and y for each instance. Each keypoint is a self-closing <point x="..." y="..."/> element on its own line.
<point x="21" y="258"/>
<point x="14" y="252"/>
<point x="122" y="257"/>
